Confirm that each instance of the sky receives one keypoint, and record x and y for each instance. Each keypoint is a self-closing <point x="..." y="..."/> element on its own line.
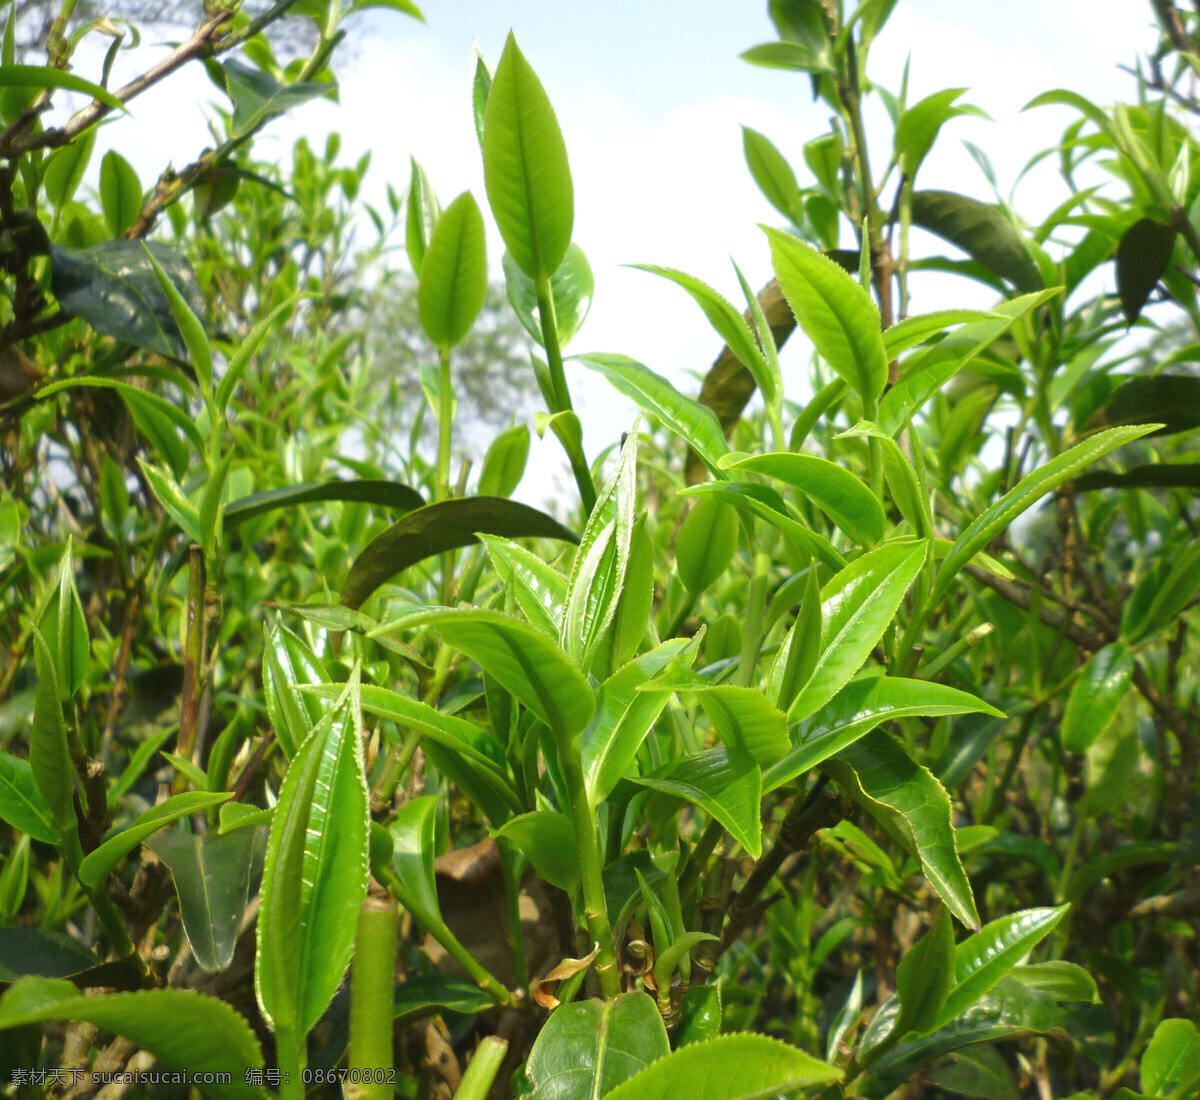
<point x="651" y="96"/>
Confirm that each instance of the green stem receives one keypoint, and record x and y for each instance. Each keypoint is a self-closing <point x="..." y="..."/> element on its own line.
<point x="445" y="422"/>
<point x="372" y="980"/>
<point x="756" y="606"/>
<point x="512" y="897"/>
<point x="698" y="860"/>
<point x="479" y="974"/>
<point x="485" y="1064"/>
<point x="291" y="1058"/>
<point x="588" y="843"/>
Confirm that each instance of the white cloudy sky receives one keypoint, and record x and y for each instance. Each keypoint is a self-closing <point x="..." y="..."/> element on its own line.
<point x="651" y="95"/>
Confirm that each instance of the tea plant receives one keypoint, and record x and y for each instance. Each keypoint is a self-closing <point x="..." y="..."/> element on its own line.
<point x="788" y="766"/>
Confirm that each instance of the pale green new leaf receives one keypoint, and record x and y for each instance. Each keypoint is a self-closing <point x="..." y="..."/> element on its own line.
<point x="696" y="424"/>
<point x="1027" y="492"/>
<point x="860" y="707"/>
<point x="857" y="606"/>
<point x="49" y="756"/>
<point x="729" y="1067"/>
<point x="836" y="314"/>
<point x="525" y="167"/>
<point x="598" y="572"/>
<point x="453" y="281"/>
<point x="835" y="490"/>
<point x="540" y="590"/>
<point x="412" y="859"/>
<point x="315" y="873"/>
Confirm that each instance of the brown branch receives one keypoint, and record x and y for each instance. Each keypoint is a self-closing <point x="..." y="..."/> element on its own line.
<point x="199" y="45"/>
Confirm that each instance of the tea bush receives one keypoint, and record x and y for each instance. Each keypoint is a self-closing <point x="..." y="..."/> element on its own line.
<point x="781" y="763"/>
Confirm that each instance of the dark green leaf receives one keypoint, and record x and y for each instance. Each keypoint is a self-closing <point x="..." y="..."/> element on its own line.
<point x="1097" y="694"/>
<point x="212" y="880"/>
<point x="99" y="862"/>
<point x="258" y="97"/>
<point x="1158" y="475"/>
<point x="1143" y="254"/>
<point x="981" y="231"/>
<point x="925" y="976"/>
<point x="699" y="1015"/>
<point x="914" y="807"/>
<point x="1169" y="401"/>
<point x="113" y="287"/>
<point x="445" y="525"/>
<point x="386" y="494"/>
<point x="431" y="994"/>
<point x="26" y="951"/>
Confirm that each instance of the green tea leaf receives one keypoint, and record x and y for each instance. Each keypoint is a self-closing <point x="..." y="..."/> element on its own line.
<point x="834" y="489"/>
<point x="1027" y="492"/>
<point x="120" y="192"/>
<point x="453" y="281"/>
<point x="624" y="716"/>
<point x="523" y="660"/>
<point x="525" y="167"/>
<point x="315" y="873"/>
<point x="730" y="1067"/>
<point x="918" y="127"/>
<point x="504" y="463"/>
<point x="914" y="807"/>
<point x="705" y="544"/>
<point x="22" y="804"/>
<point x="586" y="1049"/>
<point x="571" y="288"/>
<point x="386" y="494"/>
<point x="1143" y="254"/>
<point x="49" y="76"/>
<point x="598" y="572"/>
<point x="857" y="606"/>
<point x="692" y="422"/>
<point x="981" y="231"/>
<point x="184" y="1030"/>
<point x="540" y="590"/>
<point x="1171" y="402"/>
<point x="258" y="97"/>
<point x="770" y="170"/>
<point x="287" y="664"/>
<point x="49" y="757"/>
<point x="835" y="313"/>
<point x="25" y="951"/>
<point x="981" y="960"/>
<point x="412" y="859"/>
<point x="925" y="976"/>
<point x="113" y="287"/>
<point x="724" y="782"/>
<point x="435" y="528"/>
<point x="212" y="881"/>
<point x="547" y="840"/>
<point x="421" y="215"/>
<point x="744" y="720"/>
<point x="98" y="863"/>
<point x="765" y="503"/>
<point x="1093" y="702"/>
<point x="1171" y="1063"/>
<point x="65" y="168"/>
<point x="1062" y="980"/>
<point x="860" y="707"/>
<point x="728" y="323"/>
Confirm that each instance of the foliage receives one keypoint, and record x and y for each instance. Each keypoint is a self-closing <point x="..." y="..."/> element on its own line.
<point x="839" y="749"/>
